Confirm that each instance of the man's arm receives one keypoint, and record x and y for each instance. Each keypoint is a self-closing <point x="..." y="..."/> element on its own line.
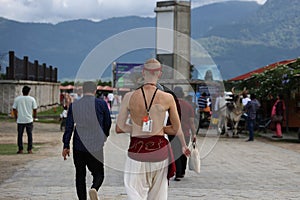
<point x="193" y="128"/>
<point x="15" y="114"/>
<point x="15" y="111"/>
<point x="68" y="133"/>
<point x="34" y="108"/>
<point x="174" y="126"/>
<point x="184" y="148"/>
<point x="121" y="125"/>
<point x="106" y="119"/>
<point x="34" y="114"/>
<point x="192" y="121"/>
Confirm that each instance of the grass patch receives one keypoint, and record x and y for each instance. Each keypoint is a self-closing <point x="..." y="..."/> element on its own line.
<point x="50" y="116"/>
<point x="7" y="119"/>
<point x="8" y="149"/>
<point x="48" y="120"/>
<point x="51" y="112"/>
<point x="47" y="116"/>
<point x="11" y="149"/>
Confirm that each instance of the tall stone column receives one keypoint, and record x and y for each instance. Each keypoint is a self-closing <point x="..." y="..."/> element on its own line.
<point x="173" y="21"/>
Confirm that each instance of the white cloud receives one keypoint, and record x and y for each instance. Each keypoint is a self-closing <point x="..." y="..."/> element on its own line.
<point x="54" y="11"/>
<point x="197" y="3"/>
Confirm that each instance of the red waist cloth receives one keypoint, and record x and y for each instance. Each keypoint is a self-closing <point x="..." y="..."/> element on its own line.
<point x="152" y="149"/>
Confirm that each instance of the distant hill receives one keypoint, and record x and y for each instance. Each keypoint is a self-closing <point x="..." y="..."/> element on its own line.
<point x="219" y="15"/>
<point x="240" y="36"/>
<point x="65" y="44"/>
<point x="269" y="35"/>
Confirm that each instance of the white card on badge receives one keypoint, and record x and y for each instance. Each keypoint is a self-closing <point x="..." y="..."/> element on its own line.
<point x="147" y="126"/>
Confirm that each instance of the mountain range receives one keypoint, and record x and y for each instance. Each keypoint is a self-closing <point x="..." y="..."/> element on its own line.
<point x="239" y="36"/>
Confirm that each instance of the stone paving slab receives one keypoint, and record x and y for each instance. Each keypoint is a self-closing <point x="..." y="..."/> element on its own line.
<point x="230" y="169"/>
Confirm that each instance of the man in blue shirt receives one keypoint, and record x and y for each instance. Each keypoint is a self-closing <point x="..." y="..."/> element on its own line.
<point x="202" y="101"/>
<point x="251" y="108"/>
<point x="89" y="119"/>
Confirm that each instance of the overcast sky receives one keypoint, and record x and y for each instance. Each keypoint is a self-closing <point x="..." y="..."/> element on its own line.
<point x="54" y="11"/>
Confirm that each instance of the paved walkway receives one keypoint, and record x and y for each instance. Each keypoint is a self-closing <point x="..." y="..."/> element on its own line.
<point x="230" y="169"/>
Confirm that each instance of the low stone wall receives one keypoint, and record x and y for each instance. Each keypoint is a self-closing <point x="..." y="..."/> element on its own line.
<point x="45" y="93"/>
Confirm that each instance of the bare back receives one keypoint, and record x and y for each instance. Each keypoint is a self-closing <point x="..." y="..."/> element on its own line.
<point x="162" y="102"/>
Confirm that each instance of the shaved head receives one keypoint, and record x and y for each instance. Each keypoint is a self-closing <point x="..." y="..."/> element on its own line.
<point x="152" y="65"/>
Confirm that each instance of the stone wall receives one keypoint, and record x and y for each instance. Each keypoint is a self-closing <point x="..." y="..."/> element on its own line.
<point x="45" y="93"/>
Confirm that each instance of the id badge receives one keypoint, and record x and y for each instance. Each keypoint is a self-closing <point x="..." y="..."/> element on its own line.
<point x="147" y="126"/>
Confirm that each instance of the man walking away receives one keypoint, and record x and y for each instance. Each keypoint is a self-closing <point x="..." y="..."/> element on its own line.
<point x="90" y="120"/>
<point x="149" y="153"/>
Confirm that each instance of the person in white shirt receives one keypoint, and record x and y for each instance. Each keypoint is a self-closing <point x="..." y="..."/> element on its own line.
<point x="110" y="98"/>
<point x="63" y="118"/>
<point x="25" y="111"/>
<point x="220" y="109"/>
<point x="245" y="99"/>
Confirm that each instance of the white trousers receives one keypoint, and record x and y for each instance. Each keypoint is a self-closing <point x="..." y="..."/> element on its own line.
<point x="146" y="180"/>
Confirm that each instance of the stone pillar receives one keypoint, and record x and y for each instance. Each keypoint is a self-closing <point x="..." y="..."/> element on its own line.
<point x="45" y="72"/>
<point x="25" y="67"/>
<point x="55" y="74"/>
<point x="173" y="35"/>
<point x="12" y="66"/>
<point x="50" y="76"/>
<point x="36" y="69"/>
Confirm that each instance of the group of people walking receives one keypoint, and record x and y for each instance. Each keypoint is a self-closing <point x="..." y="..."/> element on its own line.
<point x="150" y="162"/>
<point x="161" y="128"/>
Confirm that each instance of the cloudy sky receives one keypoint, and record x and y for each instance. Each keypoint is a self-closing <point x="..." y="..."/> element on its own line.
<point x="54" y="11"/>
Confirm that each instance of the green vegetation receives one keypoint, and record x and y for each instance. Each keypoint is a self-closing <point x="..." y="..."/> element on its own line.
<point x="50" y="116"/>
<point x="280" y="80"/>
<point x="102" y="83"/>
<point x="8" y="149"/>
<point x="11" y="149"/>
<point x="47" y="116"/>
<point x="65" y="83"/>
<point x="51" y="112"/>
<point x="5" y="117"/>
<point x="49" y="120"/>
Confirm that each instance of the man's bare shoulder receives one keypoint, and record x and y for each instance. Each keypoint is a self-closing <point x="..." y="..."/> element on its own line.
<point x="128" y="94"/>
<point x="127" y="97"/>
<point x="166" y="95"/>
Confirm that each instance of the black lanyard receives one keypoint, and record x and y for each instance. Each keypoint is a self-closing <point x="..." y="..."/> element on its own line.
<point x="148" y="109"/>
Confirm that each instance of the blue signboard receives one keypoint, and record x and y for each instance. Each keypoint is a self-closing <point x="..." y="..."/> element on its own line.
<point x="122" y="72"/>
<point x="124" y="68"/>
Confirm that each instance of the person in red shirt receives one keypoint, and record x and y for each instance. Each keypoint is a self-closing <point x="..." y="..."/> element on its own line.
<point x="188" y="128"/>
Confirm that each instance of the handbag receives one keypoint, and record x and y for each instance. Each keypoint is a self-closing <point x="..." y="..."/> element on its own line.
<point x="214" y="119"/>
<point x="277" y="118"/>
<point x="194" y="159"/>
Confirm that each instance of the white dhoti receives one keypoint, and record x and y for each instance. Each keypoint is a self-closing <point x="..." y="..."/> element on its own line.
<point x="146" y="180"/>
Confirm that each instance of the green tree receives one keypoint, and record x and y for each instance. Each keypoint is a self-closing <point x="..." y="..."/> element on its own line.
<point x="104" y="83"/>
<point x="65" y="83"/>
<point x="282" y="79"/>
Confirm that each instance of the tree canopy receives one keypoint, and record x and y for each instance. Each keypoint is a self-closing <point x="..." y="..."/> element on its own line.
<point x="280" y="80"/>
